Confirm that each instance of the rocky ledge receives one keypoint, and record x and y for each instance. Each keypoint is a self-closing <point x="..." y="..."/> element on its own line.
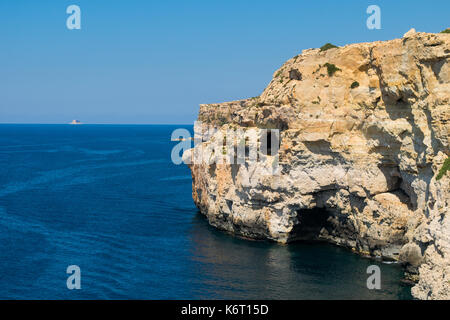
<point x="364" y="148"/>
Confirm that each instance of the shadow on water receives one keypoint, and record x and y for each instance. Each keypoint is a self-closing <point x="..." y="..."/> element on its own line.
<point x="235" y="268"/>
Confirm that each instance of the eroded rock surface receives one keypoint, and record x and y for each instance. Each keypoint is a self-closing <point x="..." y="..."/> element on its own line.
<point x="364" y="131"/>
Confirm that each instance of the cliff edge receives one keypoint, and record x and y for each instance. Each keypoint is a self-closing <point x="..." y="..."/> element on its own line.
<point x="363" y="148"/>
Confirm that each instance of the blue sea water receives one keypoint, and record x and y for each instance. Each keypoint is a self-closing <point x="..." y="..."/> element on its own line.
<point x="108" y="199"/>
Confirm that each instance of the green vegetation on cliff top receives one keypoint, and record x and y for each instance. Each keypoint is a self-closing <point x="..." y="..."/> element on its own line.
<point x="327" y="46"/>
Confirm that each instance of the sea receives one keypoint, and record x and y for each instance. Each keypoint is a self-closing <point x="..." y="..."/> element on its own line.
<point x="109" y="200"/>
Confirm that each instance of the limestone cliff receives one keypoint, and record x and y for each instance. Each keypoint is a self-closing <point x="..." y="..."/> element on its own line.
<point x="364" y="133"/>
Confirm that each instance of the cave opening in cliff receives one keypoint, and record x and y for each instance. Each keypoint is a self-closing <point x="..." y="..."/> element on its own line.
<point x="312" y="223"/>
<point x="246" y="148"/>
<point x="270" y="142"/>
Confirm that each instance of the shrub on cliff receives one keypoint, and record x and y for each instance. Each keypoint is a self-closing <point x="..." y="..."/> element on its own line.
<point x="327" y="46"/>
<point x="331" y="68"/>
<point x="354" y="85"/>
<point x="444" y="169"/>
<point x="446" y="30"/>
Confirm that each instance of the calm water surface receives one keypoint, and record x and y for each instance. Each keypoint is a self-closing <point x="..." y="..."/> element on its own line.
<point x="108" y="199"/>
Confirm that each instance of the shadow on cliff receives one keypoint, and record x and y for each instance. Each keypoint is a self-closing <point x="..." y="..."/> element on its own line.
<point x="402" y="109"/>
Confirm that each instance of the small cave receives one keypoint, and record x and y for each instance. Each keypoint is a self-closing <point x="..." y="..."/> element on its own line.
<point x="294" y="74"/>
<point x="268" y="141"/>
<point x="246" y="148"/>
<point x="310" y="224"/>
<point x="401" y="101"/>
<point x="323" y="225"/>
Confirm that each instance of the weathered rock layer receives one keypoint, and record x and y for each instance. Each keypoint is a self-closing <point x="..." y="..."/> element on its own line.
<point x="364" y="130"/>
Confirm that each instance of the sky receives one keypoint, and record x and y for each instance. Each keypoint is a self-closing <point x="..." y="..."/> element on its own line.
<point x="154" y="62"/>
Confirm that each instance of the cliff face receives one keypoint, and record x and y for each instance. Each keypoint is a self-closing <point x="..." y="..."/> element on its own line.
<point x="364" y="130"/>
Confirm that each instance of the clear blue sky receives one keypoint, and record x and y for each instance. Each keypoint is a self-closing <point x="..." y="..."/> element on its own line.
<point x="156" y="61"/>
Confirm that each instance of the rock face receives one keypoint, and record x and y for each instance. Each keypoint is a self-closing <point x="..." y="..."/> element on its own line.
<point x="364" y="130"/>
